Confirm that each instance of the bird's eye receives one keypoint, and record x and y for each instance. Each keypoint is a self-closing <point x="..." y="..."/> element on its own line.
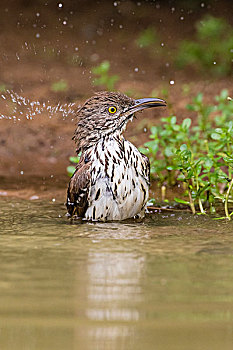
<point x="112" y="109"/>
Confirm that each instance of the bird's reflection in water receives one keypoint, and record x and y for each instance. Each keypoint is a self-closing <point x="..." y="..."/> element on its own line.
<point x="113" y="296"/>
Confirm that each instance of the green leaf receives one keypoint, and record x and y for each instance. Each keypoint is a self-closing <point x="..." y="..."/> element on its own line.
<point x="221" y="218"/>
<point x="215" y="136"/>
<point x="154" y="130"/>
<point x="70" y="169"/>
<point x="172" y="167"/>
<point x="74" y="159"/>
<point x="102" y="68"/>
<point x="182" y="201"/>
<point x="199" y="98"/>
<point x="208" y="163"/>
<point x="173" y="120"/>
<point x="183" y="147"/>
<point x="186" y="123"/>
<point x="168" y="151"/>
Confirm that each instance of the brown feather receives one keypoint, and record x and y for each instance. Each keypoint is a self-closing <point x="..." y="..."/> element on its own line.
<point x="78" y="189"/>
<point x="94" y="122"/>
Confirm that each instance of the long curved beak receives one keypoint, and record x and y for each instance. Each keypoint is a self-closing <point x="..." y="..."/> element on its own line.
<point x="144" y="103"/>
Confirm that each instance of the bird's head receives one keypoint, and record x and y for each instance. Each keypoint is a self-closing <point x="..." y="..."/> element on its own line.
<point x="107" y="113"/>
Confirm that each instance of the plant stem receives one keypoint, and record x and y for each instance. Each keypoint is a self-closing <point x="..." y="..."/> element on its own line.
<point x="191" y="203"/>
<point x="199" y="199"/>
<point x="201" y="206"/>
<point x="163" y="192"/>
<point x="226" y="200"/>
<point x="229" y="152"/>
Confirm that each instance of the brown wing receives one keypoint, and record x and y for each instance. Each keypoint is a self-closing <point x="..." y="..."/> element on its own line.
<point x="77" y="193"/>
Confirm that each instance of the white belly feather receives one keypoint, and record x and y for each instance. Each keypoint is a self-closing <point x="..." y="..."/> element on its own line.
<point x="119" y="185"/>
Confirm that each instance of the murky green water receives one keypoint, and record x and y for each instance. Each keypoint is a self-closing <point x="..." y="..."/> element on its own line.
<point x="163" y="284"/>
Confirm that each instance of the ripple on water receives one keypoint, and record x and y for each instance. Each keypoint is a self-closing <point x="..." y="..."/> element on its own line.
<point x="113" y="283"/>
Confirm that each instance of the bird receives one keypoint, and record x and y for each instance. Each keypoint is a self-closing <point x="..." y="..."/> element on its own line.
<point x="111" y="181"/>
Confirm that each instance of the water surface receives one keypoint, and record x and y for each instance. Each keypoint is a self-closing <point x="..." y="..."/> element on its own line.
<point x="162" y="284"/>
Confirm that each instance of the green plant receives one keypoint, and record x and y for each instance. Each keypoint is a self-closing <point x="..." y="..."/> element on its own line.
<point x="59" y="86"/>
<point x="197" y="157"/>
<point x="211" y="50"/>
<point x="103" y="78"/>
<point x="71" y="168"/>
<point x="147" y="38"/>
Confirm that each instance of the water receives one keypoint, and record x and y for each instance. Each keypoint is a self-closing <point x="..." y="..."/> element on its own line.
<point x="162" y="284"/>
<point x="21" y="108"/>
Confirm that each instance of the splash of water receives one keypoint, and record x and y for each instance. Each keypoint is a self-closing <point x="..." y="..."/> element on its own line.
<point x="23" y="108"/>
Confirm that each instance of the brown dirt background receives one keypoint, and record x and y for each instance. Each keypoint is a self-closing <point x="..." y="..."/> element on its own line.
<point x="101" y="30"/>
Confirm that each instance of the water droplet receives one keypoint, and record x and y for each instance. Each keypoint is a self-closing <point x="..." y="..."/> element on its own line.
<point x="32" y="198"/>
<point x="136" y="69"/>
<point x="21" y="172"/>
<point x="171" y="82"/>
<point x="54" y="200"/>
<point x="37" y="35"/>
<point x="37" y="14"/>
<point x="214" y="62"/>
<point x="182" y="18"/>
<point x="28" y="109"/>
<point x="162" y="44"/>
<point x="202" y="4"/>
<point x="60" y="5"/>
<point x="64" y="22"/>
<point x="115" y="3"/>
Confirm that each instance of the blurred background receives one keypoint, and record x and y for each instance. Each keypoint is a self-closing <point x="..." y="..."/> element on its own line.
<point x="56" y="54"/>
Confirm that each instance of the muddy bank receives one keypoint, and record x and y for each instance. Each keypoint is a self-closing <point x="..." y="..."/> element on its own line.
<point x="42" y="44"/>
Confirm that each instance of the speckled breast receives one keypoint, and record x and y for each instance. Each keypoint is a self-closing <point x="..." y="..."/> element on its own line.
<point x="119" y="181"/>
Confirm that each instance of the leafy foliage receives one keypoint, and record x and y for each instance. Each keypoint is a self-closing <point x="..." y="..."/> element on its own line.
<point x="211" y="51"/>
<point x="198" y="157"/>
<point x="103" y="78"/>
